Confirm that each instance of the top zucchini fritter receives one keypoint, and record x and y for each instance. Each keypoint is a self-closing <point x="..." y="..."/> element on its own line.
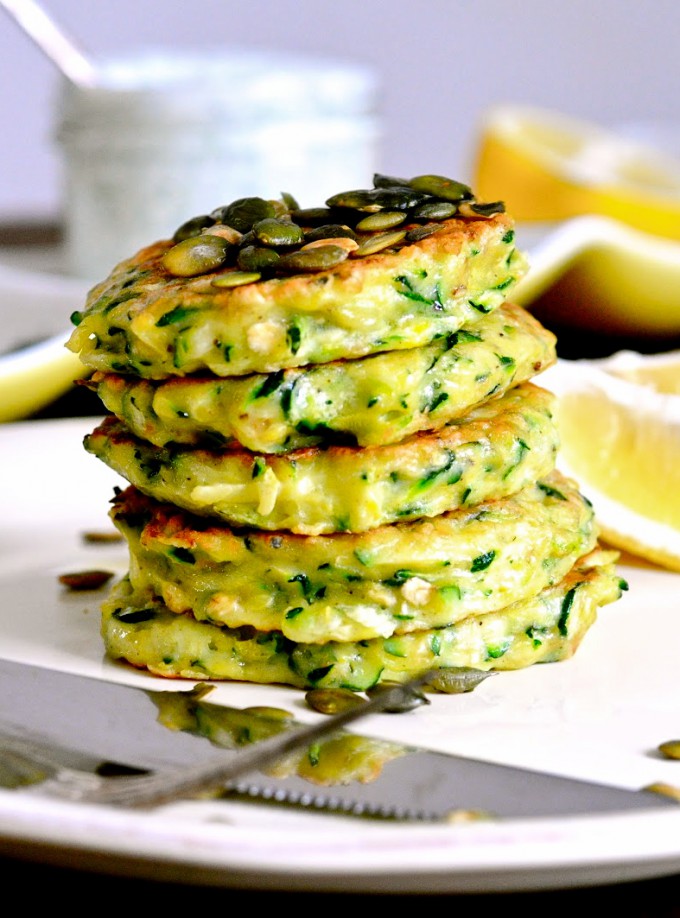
<point x="144" y="321"/>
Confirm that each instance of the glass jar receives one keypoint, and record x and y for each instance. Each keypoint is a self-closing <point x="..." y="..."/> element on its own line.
<point x="166" y="137"/>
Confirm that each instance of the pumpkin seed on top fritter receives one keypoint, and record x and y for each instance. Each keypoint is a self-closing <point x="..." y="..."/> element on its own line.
<point x="544" y="628"/>
<point x="351" y="587"/>
<point x="367" y="401"/>
<point x="494" y="450"/>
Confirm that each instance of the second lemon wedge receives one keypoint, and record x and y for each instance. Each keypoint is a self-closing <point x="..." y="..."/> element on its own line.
<point x="548" y="166"/>
<point x="619" y="423"/>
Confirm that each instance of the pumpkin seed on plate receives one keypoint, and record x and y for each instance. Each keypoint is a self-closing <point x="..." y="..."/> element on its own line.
<point x="670" y="749"/>
<point x="333" y="700"/>
<point x="413" y="698"/>
<point x="457" y="680"/>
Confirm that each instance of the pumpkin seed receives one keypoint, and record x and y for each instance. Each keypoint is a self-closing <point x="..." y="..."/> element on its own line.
<point x="411" y="699"/>
<point x="333" y="700"/>
<point x="456" y="680"/>
<point x="226" y="232"/>
<point x="350" y="245"/>
<point x="360" y="199"/>
<point x="329" y="231"/>
<point x="387" y="181"/>
<point x="85" y="580"/>
<point x="395" y="197"/>
<point x="244" y="213"/>
<point x="670" y="749"/>
<point x="289" y="201"/>
<point x="257" y="258"/>
<point x="399" y="198"/>
<point x="384" y="219"/>
<point x="277" y="233"/>
<point x="441" y="187"/>
<point x="196" y="255"/>
<point x="435" y="210"/>
<point x="312" y="216"/>
<point x="193" y="227"/>
<point x="474" y="209"/>
<point x="309" y="261"/>
<point x="96" y="536"/>
<point x="236" y="279"/>
<point x="378" y="243"/>
<point x="421" y="232"/>
<point x="668" y="790"/>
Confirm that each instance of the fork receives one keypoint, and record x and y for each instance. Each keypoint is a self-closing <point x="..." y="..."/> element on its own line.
<point x="31" y="766"/>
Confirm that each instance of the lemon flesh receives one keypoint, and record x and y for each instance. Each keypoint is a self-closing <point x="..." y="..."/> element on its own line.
<point x="621" y="438"/>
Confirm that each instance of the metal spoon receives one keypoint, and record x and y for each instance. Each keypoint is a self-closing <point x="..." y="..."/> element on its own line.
<point x="52" y="39"/>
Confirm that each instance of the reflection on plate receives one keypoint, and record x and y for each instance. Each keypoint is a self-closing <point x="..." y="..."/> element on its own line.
<point x="600" y="716"/>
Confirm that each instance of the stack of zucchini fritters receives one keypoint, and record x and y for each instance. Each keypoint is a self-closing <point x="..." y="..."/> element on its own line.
<point x="341" y="471"/>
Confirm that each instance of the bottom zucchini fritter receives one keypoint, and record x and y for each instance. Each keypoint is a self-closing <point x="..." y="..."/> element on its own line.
<point x="404" y="577"/>
<point x="546" y="628"/>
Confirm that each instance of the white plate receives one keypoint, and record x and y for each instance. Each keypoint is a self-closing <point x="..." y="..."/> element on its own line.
<point x="600" y="715"/>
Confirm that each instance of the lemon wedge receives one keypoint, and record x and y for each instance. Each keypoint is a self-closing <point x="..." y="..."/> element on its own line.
<point x="34" y="376"/>
<point x="599" y="275"/>
<point x="547" y="166"/>
<point x="619" y="423"/>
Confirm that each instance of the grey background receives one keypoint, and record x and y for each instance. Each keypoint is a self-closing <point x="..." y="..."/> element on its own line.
<point x="440" y="63"/>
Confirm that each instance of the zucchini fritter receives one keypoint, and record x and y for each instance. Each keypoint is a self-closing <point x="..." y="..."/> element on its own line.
<point x="493" y="451"/>
<point x="367" y="401"/>
<point x="144" y="321"/>
<point x="544" y="628"/>
<point x="352" y="587"/>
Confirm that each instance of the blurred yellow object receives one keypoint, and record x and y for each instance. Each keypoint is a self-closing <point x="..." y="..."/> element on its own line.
<point x="599" y="275"/>
<point x="547" y="166"/>
<point x="619" y="422"/>
<point x="34" y="376"/>
<point x="35" y="366"/>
